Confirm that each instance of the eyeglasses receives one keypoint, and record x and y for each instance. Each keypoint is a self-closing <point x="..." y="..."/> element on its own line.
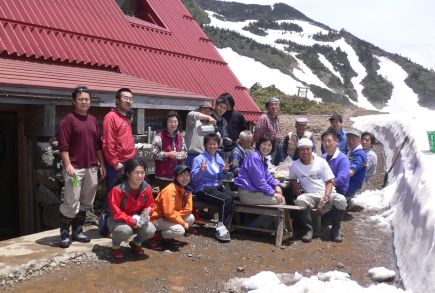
<point x="127" y="98"/>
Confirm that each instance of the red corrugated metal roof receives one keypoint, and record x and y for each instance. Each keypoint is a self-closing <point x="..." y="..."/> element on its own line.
<point x="41" y="75"/>
<point x="178" y="54"/>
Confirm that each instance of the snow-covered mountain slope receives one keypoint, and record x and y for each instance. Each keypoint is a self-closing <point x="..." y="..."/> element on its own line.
<point x="334" y="65"/>
<point x="302" y="71"/>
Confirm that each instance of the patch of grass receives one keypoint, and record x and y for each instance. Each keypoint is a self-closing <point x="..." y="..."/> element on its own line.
<point x="293" y="104"/>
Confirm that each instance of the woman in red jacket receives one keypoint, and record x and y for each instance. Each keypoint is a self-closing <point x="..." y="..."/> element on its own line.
<point x="131" y="203"/>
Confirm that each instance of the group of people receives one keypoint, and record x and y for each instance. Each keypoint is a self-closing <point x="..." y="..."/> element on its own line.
<point x="216" y="146"/>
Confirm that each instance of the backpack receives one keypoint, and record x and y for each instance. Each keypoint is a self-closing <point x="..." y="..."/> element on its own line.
<point x="103" y="230"/>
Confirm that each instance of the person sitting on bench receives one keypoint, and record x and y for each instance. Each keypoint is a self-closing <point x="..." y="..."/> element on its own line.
<point x="207" y="169"/>
<point x="256" y="184"/>
<point x="313" y="182"/>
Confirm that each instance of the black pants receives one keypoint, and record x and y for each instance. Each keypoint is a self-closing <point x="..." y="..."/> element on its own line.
<point x="221" y="198"/>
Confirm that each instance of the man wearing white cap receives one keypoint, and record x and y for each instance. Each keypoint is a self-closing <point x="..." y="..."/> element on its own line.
<point x="313" y="182"/>
<point x="292" y="138"/>
<point x="198" y="123"/>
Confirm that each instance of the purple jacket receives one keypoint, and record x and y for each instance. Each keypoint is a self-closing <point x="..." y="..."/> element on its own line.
<point x="254" y="176"/>
<point x="340" y="166"/>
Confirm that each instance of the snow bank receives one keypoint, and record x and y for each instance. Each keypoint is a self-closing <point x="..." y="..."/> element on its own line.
<point x="412" y="193"/>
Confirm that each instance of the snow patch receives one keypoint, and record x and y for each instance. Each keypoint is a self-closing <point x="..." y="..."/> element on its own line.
<point x="244" y="67"/>
<point x="329" y="282"/>
<point x="379" y="274"/>
<point x="330" y="67"/>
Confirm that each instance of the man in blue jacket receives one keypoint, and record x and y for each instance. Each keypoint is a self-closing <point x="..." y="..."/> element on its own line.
<point x="358" y="164"/>
<point x="337" y="161"/>
<point x="336" y="121"/>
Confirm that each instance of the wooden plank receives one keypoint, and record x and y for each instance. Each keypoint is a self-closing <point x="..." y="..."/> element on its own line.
<point x="272" y="206"/>
<point x="258" y="211"/>
<point x="252" y="228"/>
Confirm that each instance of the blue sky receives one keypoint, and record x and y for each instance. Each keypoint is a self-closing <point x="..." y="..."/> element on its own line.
<point x="398" y="26"/>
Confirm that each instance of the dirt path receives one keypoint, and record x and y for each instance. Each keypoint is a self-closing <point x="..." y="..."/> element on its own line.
<point x="204" y="265"/>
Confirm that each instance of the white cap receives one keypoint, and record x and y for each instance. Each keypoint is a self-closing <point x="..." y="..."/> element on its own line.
<point x="305" y="142"/>
<point x="301" y="120"/>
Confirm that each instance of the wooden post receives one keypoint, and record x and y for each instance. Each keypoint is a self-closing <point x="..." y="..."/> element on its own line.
<point x="140" y="121"/>
<point x="49" y="128"/>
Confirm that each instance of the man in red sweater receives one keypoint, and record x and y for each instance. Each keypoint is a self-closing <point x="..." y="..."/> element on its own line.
<point x="118" y="140"/>
<point x="80" y="150"/>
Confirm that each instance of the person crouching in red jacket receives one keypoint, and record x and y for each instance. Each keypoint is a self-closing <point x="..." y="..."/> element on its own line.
<point x="131" y="203"/>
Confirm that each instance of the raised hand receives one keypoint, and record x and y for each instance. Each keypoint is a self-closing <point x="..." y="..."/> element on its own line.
<point x="203" y="165"/>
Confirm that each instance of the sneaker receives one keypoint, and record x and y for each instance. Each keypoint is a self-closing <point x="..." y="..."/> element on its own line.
<point x="223" y="237"/>
<point x="117" y="254"/>
<point x="137" y="249"/>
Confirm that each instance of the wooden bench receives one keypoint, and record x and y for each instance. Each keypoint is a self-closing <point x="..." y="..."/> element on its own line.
<point x="284" y="229"/>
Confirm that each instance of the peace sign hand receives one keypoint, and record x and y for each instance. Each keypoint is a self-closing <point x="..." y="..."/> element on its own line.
<point x="203" y="165"/>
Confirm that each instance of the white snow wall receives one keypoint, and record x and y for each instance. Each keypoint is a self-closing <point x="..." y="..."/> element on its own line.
<point x="411" y="189"/>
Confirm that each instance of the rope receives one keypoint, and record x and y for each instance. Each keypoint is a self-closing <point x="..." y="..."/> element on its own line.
<point x="394" y="162"/>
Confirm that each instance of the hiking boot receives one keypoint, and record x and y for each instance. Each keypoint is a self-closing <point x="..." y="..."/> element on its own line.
<point x="65" y="224"/>
<point x="337" y="217"/>
<point x="77" y="228"/>
<point x="117" y="254"/>
<point x="307" y="225"/>
<point x="137" y="249"/>
<point x="154" y="243"/>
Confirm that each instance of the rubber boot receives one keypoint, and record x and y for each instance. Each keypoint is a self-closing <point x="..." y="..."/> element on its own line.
<point x="77" y="228"/>
<point x="307" y="225"/>
<point x="65" y="224"/>
<point x="337" y="217"/>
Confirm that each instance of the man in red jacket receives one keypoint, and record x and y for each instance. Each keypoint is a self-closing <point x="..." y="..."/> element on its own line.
<point x="118" y="140"/>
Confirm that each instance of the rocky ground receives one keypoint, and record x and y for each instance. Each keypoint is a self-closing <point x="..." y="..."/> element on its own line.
<point x="204" y="265"/>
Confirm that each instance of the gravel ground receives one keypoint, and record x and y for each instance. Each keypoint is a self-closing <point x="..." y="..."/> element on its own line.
<point x="204" y="265"/>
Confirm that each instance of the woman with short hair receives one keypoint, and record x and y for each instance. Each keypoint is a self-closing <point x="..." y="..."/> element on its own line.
<point x="131" y="203"/>
<point x="207" y="170"/>
<point x="367" y="141"/>
<point x="173" y="213"/>
<point x="256" y="184"/>
<point x="169" y="150"/>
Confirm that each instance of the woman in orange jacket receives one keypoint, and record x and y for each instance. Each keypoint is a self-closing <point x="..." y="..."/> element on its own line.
<point x="173" y="212"/>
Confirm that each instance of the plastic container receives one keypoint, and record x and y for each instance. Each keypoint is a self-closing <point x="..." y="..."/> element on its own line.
<point x="431" y="138"/>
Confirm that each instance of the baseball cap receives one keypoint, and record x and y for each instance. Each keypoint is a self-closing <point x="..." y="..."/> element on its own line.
<point x="354" y="132"/>
<point x="206" y="105"/>
<point x="336" y="116"/>
<point x="305" y="142"/>
<point x="180" y="169"/>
